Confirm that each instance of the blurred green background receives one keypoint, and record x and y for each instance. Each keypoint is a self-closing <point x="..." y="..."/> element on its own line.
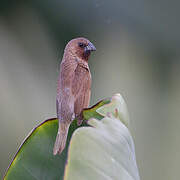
<point x="137" y="55"/>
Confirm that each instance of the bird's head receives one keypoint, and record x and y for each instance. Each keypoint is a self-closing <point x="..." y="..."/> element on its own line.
<point x="80" y="47"/>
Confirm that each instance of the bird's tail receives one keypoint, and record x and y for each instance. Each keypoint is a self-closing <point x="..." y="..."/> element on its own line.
<point x="61" y="137"/>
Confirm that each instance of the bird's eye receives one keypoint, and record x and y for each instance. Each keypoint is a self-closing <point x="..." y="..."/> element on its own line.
<point x="82" y="45"/>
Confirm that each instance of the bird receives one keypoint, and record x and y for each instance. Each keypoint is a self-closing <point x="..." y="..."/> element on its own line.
<point x="73" y="87"/>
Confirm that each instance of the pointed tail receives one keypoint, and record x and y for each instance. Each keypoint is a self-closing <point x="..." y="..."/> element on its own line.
<point x="61" y="137"/>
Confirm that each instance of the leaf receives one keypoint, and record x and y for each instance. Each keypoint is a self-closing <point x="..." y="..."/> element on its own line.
<point x="105" y="152"/>
<point x="91" y="112"/>
<point x="35" y="160"/>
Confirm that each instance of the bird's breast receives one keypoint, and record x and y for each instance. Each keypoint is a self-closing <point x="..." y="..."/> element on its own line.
<point x="81" y="81"/>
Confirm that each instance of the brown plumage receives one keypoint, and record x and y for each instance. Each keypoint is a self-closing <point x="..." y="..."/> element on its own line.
<point x="74" y="87"/>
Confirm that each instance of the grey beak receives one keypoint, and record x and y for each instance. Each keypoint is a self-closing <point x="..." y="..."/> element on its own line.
<point x="90" y="47"/>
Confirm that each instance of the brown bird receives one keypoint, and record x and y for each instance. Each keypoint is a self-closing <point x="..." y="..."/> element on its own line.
<point x="74" y="87"/>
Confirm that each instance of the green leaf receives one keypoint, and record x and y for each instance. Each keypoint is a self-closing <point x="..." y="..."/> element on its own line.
<point x="35" y="160"/>
<point x="91" y="112"/>
<point x="103" y="152"/>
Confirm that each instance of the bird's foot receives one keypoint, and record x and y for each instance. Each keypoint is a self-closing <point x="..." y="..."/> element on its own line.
<point x="73" y="117"/>
<point x="80" y="119"/>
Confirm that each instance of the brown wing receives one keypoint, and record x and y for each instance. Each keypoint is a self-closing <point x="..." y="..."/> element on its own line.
<point x="81" y="88"/>
<point x="65" y="98"/>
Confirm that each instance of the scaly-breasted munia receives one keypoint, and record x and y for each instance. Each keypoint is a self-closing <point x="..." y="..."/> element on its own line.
<point x="74" y="87"/>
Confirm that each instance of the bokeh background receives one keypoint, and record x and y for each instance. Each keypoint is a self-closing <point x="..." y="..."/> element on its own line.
<point x="137" y="55"/>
